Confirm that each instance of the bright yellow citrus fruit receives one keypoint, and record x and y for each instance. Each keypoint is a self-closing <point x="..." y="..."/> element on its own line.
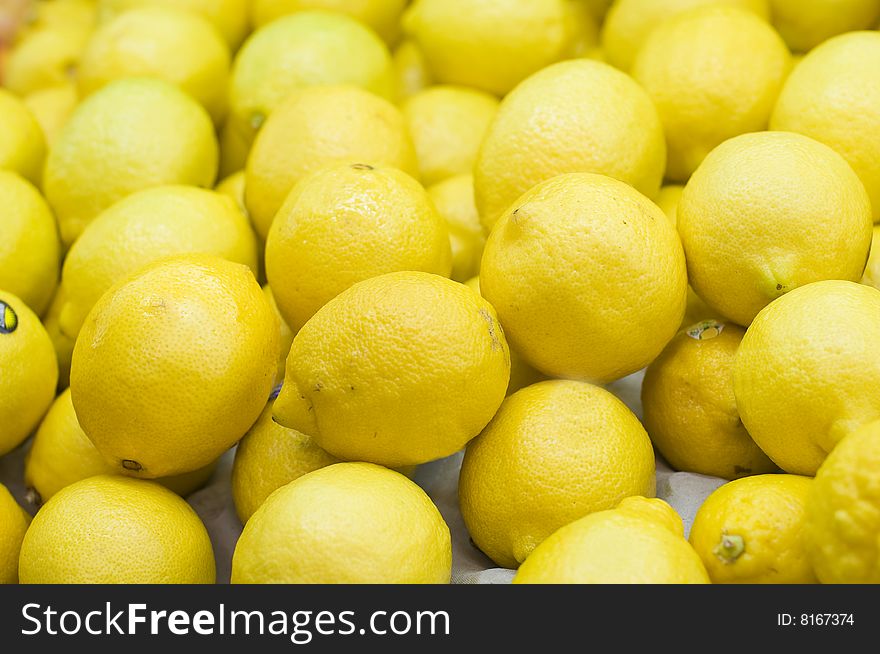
<point x="690" y="409"/>
<point x="347" y="223"/>
<point x="346" y="523"/>
<point x="130" y="135"/>
<point x="176" y="45"/>
<point x="30" y="371"/>
<point x="833" y="96"/>
<point x="454" y="200"/>
<point x="144" y="227"/>
<point x="30" y="252"/>
<point x="713" y="73"/>
<point x="382" y="16"/>
<point x="45" y="58"/>
<point x="751" y="531"/>
<point x="22" y="144"/>
<point x="639" y="542"/>
<point x="555" y="452"/>
<point x="843" y="512"/>
<point x="871" y="277"/>
<point x="411" y="72"/>
<point x="174" y="364"/>
<point x="52" y="107"/>
<point x="62" y="343"/>
<point x="576" y="116"/>
<point x="235" y="145"/>
<point x="804" y="24"/>
<point x="668" y="199"/>
<point x="769" y="212"/>
<point x="314" y="128"/>
<point x="610" y="314"/>
<point x="285" y="335"/>
<point x="232" y="186"/>
<point x="115" y="530"/>
<point x="803" y="371"/>
<point x="431" y="369"/>
<point x="14" y="523"/>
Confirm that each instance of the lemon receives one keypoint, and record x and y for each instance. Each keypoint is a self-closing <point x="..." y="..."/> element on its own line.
<point x="51" y="14"/>
<point x="690" y="409"/>
<point x="22" y="144"/>
<point x="347" y="223"/>
<point x="176" y="45"/>
<point x="52" y="107"/>
<point x="804" y="24"/>
<point x="268" y="457"/>
<point x="382" y="16"/>
<point x="454" y="200"/>
<point x="346" y="523"/>
<point x="285" y="336"/>
<point x="62" y="343"/>
<point x="610" y="313"/>
<point x="14" y="522"/>
<point x="800" y="215"/>
<point x="314" y="128"/>
<point x="802" y="371"/>
<point x="44" y="59"/>
<point x="713" y="73"/>
<point x="640" y="542"/>
<point x="230" y="17"/>
<point x="399" y="369"/>
<point x="30" y="252"/>
<point x="491" y="45"/>
<point x="751" y="531"/>
<point x="871" y="277"/>
<point x="30" y="371"/>
<point x="234" y="148"/>
<point x="833" y="96"/>
<point x="130" y="135"/>
<point x="448" y="124"/>
<point x="144" y="227"/>
<point x="232" y="186"/>
<point x="629" y="23"/>
<point x="668" y="199"/>
<point x="174" y="364"/>
<point x="843" y="509"/>
<point x="411" y="72"/>
<point x="313" y="48"/>
<point x="555" y="452"/>
<point x="115" y="530"/>
<point x="577" y="116"/>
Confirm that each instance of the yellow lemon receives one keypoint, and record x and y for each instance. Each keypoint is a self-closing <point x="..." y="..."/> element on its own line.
<point x="491" y="45"/>
<point x="411" y="72"/>
<point x="803" y="371"/>
<point x="843" y="511"/>
<point x="52" y="107"/>
<point x="62" y="343"/>
<point x="22" y="144"/>
<point x="399" y="369"/>
<point x="588" y="277"/>
<point x="347" y="223"/>
<point x="668" y="199"/>
<point x="871" y="277"/>
<point x="833" y="96"/>
<point x="75" y="14"/>
<point x="798" y="215"/>
<point x="285" y="336"/>
<point x="629" y="23"/>
<point x="30" y="371"/>
<point x="45" y="58"/>
<point x="346" y="523"/>
<point x="314" y="48"/>
<point x="232" y="186"/>
<point x="174" y="364"/>
<point x="115" y="530"/>
<point x="804" y="24"/>
<point x="234" y="148"/>
<point x="61" y="454"/>
<point x="176" y="45"/>
<point x="553" y="453"/>
<point x="314" y="128"/>
<point x="448" y="124"/>
<point x="230" y="17"/>
<point x="751" y="531"/>
<point x="144" y="227"/>
<point x="690" y="409"/>
<point x="577" y="116"/>
<point x="454" y="200"/>
<point x="130" y="135"/>
<point x="640" y="542"/>
<point x="713" y="73"/>
<point x="383" y="16"/>
<point x="268" y="457"/>
<point x="30" y="252"/>
<point x="14" y="523"/>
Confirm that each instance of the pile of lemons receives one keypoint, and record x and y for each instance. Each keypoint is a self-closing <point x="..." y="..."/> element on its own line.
<point x="356" y="236"/>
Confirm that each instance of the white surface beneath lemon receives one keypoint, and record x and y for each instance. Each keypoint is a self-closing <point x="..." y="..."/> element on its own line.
<point x="684" y="491"/>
